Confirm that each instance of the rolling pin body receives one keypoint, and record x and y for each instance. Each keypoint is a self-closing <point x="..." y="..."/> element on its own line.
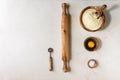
<point x="65" y="37"/>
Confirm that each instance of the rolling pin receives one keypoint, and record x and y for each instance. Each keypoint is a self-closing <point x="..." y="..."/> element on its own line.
<point x="65" y="37"/>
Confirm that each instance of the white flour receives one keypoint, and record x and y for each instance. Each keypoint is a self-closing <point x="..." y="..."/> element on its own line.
<point x="90" y="20"/>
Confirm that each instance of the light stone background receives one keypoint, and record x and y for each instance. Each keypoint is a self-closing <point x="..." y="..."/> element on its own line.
<point x="29" y="27"/>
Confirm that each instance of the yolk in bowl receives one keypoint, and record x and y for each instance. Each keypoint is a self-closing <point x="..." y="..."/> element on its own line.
<point x="91" y="44"/>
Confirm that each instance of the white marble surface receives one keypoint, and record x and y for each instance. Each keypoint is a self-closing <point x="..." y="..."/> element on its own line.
<point x="29" y="27"/>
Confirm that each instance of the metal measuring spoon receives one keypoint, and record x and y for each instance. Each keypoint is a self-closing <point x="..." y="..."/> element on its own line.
<point x="50" y="50"/>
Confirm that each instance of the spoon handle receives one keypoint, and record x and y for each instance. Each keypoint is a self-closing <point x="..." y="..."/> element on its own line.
<point x="100" y="10"/>
<point x="51" y="64"/>
<point x="103" y="7"/>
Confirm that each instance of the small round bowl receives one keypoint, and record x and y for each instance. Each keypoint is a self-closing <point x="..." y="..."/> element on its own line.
<point x="92" y="63"/>
<point x="91" y="43"/>
<point x="86" y="27"/>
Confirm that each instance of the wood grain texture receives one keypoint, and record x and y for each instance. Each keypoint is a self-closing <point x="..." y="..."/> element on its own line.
<point x="65" y="37"/>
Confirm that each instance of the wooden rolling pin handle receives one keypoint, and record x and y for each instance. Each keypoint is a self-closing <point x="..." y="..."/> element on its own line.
<point x="65" y="68"/>
<point x="64" y="8"/>
<point x="51" y="64"/>
<point x="65" y="65"/>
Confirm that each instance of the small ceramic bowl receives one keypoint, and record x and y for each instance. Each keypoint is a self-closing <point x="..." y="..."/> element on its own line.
<point x="91" y="43"/>
<point x="92" y="63"/>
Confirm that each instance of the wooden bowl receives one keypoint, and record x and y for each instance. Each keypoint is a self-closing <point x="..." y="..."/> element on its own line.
<point x="88" y="20"/>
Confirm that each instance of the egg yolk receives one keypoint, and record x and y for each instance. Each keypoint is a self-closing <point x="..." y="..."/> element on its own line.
<point x="91" y="44"/>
